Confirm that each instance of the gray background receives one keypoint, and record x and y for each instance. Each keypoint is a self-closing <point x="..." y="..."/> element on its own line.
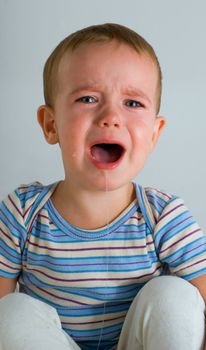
<point x="30" y="29"/>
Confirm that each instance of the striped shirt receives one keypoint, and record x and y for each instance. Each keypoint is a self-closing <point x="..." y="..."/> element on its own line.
<point x="92" y="276"/>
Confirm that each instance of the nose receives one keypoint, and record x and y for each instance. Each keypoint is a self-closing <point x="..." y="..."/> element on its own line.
<point x="110" y="118"/>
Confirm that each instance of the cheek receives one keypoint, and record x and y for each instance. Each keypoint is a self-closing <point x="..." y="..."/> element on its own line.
<point x="67" y="129"/>
<point x="143" y="135"/>
<point x="142" y="145"/>
<point x="72" y="142"/>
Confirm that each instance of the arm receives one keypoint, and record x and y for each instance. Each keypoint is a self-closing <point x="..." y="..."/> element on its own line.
<point x="200" y="283"/>
<point x="13" y="235"/>
<point x="7" y="285"/>
<point x="182" y="244"/>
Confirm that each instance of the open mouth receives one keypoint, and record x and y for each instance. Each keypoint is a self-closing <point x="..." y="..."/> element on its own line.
<point x="107" y="152"/>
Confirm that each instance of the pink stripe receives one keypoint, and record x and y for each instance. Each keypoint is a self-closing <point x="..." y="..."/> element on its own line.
<point x="94" y="279"/>
<point x="94" y="264"/>
<point x="28" y="209"/>
<point x="172" y="227"/>
<point x="57" y="297"/>
<point x="5" y="234"/>
<point x="181" y="239"/>
<point x="94" y="322"/>
<point x="10" y="267"/>
<point x="8" y="221"/>
<point x="17" y="209"/>
<point x="164" y="194"/>
<point x="199" y="262"/>
<point x="89" y="249"/>
<point x="188" y="251"/>
<point x="166" y="214"/>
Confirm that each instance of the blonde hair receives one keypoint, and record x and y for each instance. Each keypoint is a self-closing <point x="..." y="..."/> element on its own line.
<point x="93" y="34"/>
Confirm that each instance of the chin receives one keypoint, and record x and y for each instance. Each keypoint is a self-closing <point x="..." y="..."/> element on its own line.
<point x="109" y="182"/>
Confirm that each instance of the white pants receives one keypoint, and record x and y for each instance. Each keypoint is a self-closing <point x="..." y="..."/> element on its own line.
<point x="167" y="314"/>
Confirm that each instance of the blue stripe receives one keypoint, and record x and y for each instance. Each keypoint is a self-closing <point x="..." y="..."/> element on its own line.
<point x="151" y="254"/>
<point x="28" y="195"/>
<point x="85" y="269"/>
<point x="123" y="236"/>
<point x="15" y="227"/>
<point x="168" y="231"/>
<point x="156" y="201"/>
<point x="10" y="253"/>
<point x="9" y="274"/>
<point x="186" y="250"/>
<point x="38" y="200"/>
<point x="139" y="190"/>
<point x="195" y="274"/>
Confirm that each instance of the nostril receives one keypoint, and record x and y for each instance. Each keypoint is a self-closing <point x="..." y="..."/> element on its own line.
<point x="107" y="125"/>
<point x="109" y="120"/>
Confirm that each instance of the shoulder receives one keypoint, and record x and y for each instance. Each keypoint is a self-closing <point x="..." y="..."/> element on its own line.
<point x="164" y="205"/>
<point x="171" y="214"/>
<point x="19" y="202"/>
<point x="22" y="196"/>
<point x="28" y="193"/>
<point x="20" y="206"/>
<point x="13" y="209"/>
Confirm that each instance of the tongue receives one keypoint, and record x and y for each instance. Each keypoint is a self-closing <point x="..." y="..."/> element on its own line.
<point x="106" y="153"/>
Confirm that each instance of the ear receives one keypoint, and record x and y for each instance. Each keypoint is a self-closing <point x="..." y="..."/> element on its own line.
<point x="160" y="123"/>
<point x="45" y="116"/>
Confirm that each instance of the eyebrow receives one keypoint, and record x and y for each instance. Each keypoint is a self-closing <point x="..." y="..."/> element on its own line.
<point x="85" y="87"/>
<point x="130" y="90"/>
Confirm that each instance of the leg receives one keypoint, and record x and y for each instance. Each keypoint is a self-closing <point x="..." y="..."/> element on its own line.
<point x="168" y="313"/>
<point x="27" y="323"/>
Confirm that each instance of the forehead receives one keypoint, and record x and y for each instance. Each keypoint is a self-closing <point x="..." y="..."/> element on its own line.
<point x="109" y="62"/>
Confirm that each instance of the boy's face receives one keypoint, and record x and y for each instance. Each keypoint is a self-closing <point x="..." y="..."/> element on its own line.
<point x="104" y="114"/>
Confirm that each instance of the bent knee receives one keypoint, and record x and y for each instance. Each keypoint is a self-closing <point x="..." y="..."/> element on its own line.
<point x="19" y="304"/>
<point x="170" y="286"/>
<point x="171" y="290"/>
<point x="12" y="301"/>
<point x="168" y="308"/>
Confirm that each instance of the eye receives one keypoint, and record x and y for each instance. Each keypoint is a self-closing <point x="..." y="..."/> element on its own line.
<point x="134" y="104"/>
<point x="87" y="99"/>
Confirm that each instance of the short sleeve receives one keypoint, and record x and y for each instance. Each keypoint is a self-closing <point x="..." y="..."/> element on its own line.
<point x="179" y="241"/>
<point x="12" y="235"/>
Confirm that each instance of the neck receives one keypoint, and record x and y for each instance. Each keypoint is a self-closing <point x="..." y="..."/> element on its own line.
<point x="91" y="210"/>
